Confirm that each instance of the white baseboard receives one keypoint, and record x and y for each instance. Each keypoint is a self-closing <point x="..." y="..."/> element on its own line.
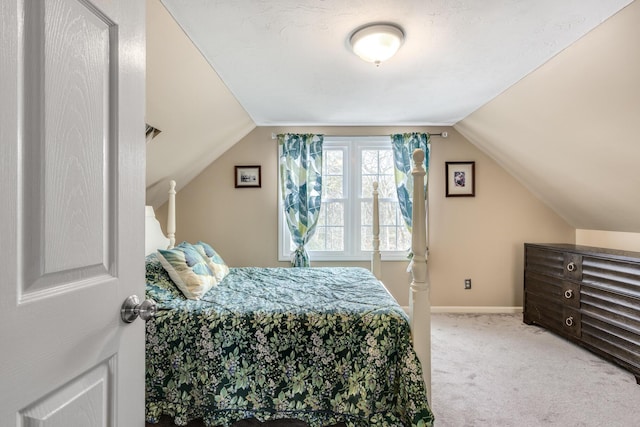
<point x="472" y="309"/>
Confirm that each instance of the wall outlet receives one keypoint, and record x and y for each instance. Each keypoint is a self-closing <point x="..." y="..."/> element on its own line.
<point x="467" y="283"/>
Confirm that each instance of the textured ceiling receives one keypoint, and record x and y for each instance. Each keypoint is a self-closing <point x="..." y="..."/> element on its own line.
<point x="289" y="63"/>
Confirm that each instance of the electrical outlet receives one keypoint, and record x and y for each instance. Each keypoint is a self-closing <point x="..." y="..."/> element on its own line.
<point x="467" y="283"/>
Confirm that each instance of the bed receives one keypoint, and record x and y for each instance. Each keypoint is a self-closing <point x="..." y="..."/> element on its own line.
<point x="321" y="345"/>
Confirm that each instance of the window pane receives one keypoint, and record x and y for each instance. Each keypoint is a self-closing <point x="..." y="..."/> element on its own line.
<point x="332" y="187"/>
<point x="387" y="186"/>
<point x="367" y="186"/>
<point x="366" y="241"/>
<point x="394" y="236"/>
<point x="332" y="174"/>
<point x="386" y="160"/>
<point x="318" y="240"/>
<point x="370" y="171"/>
<point x="332" y="162"/>
<point x="404" y="238"/>
<point x="388" y="239"/>
<point x="366" y="212"/>
<point x="335" y="239"/>
<point x="386" y="178"/>
<point x="366" y="228"/>
<point x="334" y="213"/>
<point x="377" y="166"/>
<point x="388" y="214"/>
<point x="327" y="239"/>
<point x="329" y="234"/>
<point x="370" y="162"/>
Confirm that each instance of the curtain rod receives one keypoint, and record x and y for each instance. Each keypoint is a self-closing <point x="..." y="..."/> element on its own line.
<point x="442" y="134"/>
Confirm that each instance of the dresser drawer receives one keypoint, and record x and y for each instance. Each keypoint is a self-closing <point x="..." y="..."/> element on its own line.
<point x="549" y="262"/>
<point x="619" y="277"/>
<point x="542" y="311"/>
<point x="611" y="341"/>
<point x="551" y="314"/>
<point x="571" y="322"/>
<point x="572" y="266"/>
<point x="588" y="295"/>
<point x="571" y="294"/>
<point x="561" y="292"/>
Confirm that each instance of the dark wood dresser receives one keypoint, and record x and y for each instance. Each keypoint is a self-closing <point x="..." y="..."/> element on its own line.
<point x="588" y="295"/>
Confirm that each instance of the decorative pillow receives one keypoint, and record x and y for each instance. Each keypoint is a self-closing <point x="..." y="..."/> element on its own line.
<point x="214" y="260"/>
<point x="188" y="270"/>
<point x="158" y="280"/>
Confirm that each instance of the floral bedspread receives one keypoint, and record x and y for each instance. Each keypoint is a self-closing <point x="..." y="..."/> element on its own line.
<point x="322" y="345"/>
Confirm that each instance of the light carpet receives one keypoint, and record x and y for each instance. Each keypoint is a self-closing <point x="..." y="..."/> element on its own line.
<point x="494" y="370"/>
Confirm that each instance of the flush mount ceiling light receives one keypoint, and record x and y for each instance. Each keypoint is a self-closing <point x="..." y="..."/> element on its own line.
<point x="377" y="42"/>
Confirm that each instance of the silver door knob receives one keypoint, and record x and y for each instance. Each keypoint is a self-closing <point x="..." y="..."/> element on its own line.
<point x="571" y="266"/>
<point x="132" y="308"/>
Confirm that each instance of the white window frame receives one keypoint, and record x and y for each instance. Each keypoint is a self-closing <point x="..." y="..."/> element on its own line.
<point x="351" y="147"/>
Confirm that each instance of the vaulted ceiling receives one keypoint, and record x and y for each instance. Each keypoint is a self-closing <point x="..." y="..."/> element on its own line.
<point x="546" y="88"/>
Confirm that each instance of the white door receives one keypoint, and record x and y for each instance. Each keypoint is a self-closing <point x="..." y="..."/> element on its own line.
<point x="71" y="212"/>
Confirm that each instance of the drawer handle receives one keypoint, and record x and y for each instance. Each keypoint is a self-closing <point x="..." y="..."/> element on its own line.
<point x="571" y="266"/>
<point x="568" y="294"/>
<point x="569" y="321"/>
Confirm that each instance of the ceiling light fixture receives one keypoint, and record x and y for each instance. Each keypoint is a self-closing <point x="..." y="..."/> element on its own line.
<point x="377" y="42"/>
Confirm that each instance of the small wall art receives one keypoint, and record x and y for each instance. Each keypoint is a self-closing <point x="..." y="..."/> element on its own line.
<point x="460" y="179"/>
<point x="248" y="177"/>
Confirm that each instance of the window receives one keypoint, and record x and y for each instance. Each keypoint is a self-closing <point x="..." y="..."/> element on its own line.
<point x="350" y="166"/>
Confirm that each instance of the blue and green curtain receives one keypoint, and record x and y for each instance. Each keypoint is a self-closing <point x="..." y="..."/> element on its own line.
<point x="301" y="187"/>
<point x="403" y="146"/>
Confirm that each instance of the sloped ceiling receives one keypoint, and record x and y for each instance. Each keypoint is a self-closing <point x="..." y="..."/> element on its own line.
<point x="566" y="130"/>
<point x="570" y="130"/>
<point x="198" y="116"/>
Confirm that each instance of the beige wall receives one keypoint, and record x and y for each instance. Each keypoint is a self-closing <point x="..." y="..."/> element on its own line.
<point x="185" y="99"/>
<point x="479" y="238"/>
<point x="569" y="130"/>
<point x="609" y="239"/>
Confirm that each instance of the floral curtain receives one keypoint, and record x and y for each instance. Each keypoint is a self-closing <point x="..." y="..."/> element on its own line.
<point x="301" y="187"/>
<point x="403" y="147"/>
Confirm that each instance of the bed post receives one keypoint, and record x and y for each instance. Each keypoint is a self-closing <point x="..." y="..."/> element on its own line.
<point x="419" y="303"/>
<point x="171" y="214"/>
<point x="376" y="268"/>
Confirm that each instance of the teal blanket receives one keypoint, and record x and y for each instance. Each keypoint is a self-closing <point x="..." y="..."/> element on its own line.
<point x="322" y="345"/>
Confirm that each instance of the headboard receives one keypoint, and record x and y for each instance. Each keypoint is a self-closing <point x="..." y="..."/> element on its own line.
<point x="154" y="238"/>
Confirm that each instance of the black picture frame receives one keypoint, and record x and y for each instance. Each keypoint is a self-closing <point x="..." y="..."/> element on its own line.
<point x="460" y="179"/>
<point x="248" y="176"/>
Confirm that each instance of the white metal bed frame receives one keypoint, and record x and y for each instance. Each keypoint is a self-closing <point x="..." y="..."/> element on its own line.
<point x="419" y="299"/>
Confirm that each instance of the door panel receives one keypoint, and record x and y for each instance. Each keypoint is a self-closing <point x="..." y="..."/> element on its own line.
<point x="71" y="217"/>
<point x="79" y="403"/>
<point x="69" y="168"/>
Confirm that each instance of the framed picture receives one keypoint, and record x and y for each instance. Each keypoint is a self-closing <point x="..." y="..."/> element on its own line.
<point x="461" y="179"/>
<point x="248" y="177"/>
